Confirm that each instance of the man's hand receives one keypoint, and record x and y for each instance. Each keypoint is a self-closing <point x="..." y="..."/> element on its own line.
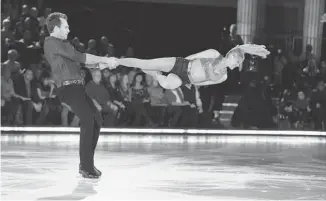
<point x="110" y="63"/>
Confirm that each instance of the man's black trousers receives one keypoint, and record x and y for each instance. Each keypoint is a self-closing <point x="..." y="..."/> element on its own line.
<point x="90" y="121"/>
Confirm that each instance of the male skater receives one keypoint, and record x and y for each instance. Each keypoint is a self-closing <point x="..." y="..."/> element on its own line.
<point x="66" y="73"/>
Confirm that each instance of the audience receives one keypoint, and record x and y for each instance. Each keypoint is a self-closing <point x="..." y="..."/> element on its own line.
<point x="126" y="97"/>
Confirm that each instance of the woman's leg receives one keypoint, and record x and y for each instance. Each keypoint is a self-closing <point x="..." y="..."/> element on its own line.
<point x="161" y="64"/>
<point x="171" y="81"/>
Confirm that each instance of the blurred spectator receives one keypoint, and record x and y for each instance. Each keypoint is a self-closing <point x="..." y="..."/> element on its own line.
<point x="51" y="109"/>
<point x="318" y="106"/>
<point x="254" y="109"/>
<point x="11" y="64"/>
<point x="157" y="101"/>
<point x="6" y="32"/>
<point x="125" y="92"/>
<point x="175" y="100"/>
<point x="322" y="71"/>
<point x="19" y="30"/>
<point x="279" y="62"/>
<point x="190" y="113"/>
<point x="91" y="47"/>
<point x="9" y="104"/>
<point x="24" y="47"/>
<point x="25" y="11"/>
<point x="129" y="52"/>
<point x="287" y="117"/>
<point x="110" y="50"/>
<point x="34" y="23"/>
<point x="42" y="19"/>
<point x="140" y="100"/>
<point x="106" y="77"/>
<point x="25" y="88"/>
<point x="101" y="98"/>
<point x="103" y="47"/>
<point x="212" y="103"/>
<point x="125" y="89"/>
<point x="116" y="96"/>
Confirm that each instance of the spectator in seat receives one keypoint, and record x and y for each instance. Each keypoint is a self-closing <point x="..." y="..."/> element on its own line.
<point x="288" y="117"/>
<point x="24" y="47"/>
<point x="19" y="30"/>
<point x="190" y="113"/>
<point x="157" y="103"/>
<point x="125" y="92"/>
<point x="101" y="98"/>
<point x="35" y="24"/>
<point x="110" y="50"/>
<point x="25" y="11"/>
<point x="303" y="110"/>
<point x="322" y="71"/>
<point x="210" y="99"/>
<point x="91" y="47"/>
<point x="103" y="47"/>
<point x="51" y="109"/>
<point x="6" y="32"/>
<point x="114" y="90"/>
<point x="254" y="109"/>
<point x="175" y="100"/>
<point x="42" y="19"/>
<point x="279" y="62"/>
<point x="12" y="65"/>
<point x="9" y="99"/>
<point x="318" y="106"/>
<point x="106" y="77"/>
<point x="140" y="99"/>
<point x="25" y="88"/>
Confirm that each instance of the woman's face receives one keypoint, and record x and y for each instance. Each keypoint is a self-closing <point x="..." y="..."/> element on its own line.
<point x="149" y="80"/>
<point x="139" y="78"/>
<point x="301" y="95"/>
<point x="113" y="79"/>
<point x="125" y="80"/>
<point x="46" y="82"/>
<point x="106" y="73"/>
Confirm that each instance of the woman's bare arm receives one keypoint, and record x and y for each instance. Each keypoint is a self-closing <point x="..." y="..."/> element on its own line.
<point x="211" y="53"/>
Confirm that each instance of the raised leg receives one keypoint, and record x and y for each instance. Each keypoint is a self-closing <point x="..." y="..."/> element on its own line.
<point x="171" y="81"/>
<point x="161" y="64"/>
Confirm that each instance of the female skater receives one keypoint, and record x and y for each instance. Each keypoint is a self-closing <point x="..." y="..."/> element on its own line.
<point x="204" y="68"/>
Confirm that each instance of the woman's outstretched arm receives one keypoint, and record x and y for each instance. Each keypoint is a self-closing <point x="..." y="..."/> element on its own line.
<point x="210" y="53"/>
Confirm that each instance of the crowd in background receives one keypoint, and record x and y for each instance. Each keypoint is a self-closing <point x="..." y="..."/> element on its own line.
<point x="128" y="97"/>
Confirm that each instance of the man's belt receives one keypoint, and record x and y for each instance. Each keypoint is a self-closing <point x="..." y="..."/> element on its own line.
<point x="69" y="82"/>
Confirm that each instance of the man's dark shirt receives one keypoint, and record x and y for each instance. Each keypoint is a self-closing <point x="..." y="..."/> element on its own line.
<point x="63" y="59"/>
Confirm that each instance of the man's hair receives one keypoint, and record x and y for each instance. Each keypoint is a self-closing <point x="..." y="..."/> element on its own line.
<point x="54" y="19"/>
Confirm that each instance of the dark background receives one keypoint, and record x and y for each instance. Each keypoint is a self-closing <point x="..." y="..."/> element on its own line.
<point x="154" y="30"/>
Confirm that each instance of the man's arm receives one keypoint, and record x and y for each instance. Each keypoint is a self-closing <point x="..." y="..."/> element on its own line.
<point x="68" y="51"/>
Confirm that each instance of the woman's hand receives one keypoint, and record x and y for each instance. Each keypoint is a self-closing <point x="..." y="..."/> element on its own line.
<point x="253" y="49"/>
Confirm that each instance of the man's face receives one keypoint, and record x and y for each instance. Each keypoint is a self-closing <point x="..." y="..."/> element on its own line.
<point x="62" y="31"/>
<point x="97" y="76"/>
<point x="6" y="24"/>
<point x="34" y="12"/>
<point x="29" y="75"/>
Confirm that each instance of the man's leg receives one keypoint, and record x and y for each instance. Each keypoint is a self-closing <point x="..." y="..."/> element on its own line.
<point x="161" y="64"/>
<point x="83" y="107"/>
